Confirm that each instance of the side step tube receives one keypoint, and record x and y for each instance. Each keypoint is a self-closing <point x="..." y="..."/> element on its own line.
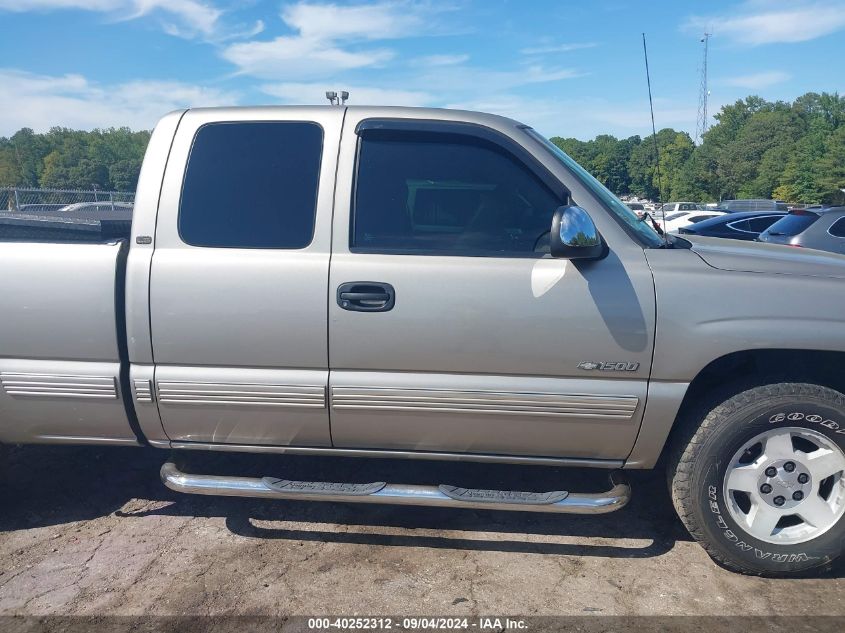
<point x="401" y="494"/>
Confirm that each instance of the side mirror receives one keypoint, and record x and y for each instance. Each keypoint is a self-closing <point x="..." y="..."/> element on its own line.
<point x="575" y="236"/>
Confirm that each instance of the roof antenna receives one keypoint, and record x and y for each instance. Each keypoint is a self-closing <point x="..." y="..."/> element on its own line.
<point x="656" y="147"/>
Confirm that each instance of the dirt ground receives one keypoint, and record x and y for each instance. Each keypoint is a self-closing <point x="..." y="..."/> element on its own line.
<point x="92" y="531"/>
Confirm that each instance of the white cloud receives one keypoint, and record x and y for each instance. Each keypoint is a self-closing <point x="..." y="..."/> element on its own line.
<point x="582" y="118"/>
<point x="315" y="93"/>
<point x="755" y="22"/>
<point x="440" y="60"/>
<point x="198" y="16"/>
<point x="328" y="39"/>
<point x="181" y="18"/>
<point x="474" y="79"/>
<point x="293" y="57"/>
<point x="46" y="5"/>
<point x="757" y="81"/>
<point x="557" y="48"/>
<point x="331" y="22"/>
<point x="43" y="101"/>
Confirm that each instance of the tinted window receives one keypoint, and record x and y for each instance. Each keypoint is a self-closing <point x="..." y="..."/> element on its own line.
<point x="251" y="185"/>
<point x="434" y="193"/>
<point x="837" y="229"/>
<point x="740" y="225"/>
<point x="793" y="224"/>
<point x="758" y="225"/>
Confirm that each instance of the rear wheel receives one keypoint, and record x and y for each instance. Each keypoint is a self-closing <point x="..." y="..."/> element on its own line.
<point x="759" y="479"/>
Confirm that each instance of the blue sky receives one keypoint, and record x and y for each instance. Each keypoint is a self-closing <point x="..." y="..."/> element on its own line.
<point x="568" y="68"/>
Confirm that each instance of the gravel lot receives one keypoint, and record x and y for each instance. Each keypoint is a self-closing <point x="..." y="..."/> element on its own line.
<point x="92" y="531"/>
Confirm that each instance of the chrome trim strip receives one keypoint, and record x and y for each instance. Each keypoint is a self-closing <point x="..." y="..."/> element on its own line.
<point x="58" y="385"/>
<point x="244" y="394"/>
<point x="85" y="440"/>
<point x="397" y="494"/>
<point x="494" y="402"/>
<point x="484" y="458"/>
<point x="143" y="390"/>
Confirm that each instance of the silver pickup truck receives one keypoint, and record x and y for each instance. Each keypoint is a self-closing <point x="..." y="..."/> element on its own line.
<point x="445" y="285"/>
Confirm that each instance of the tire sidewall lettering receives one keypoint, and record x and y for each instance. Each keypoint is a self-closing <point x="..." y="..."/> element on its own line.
<point x="812" y="418"/>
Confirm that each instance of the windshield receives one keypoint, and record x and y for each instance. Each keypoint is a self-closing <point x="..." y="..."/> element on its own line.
<point x="622" y="213"/>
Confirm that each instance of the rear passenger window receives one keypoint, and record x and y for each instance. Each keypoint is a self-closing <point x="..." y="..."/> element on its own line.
<point x="740" y="225"/>
<point x="758" y="225"/>
<point x="430" y="193"/>
<point x="837" y="229"/>
<point x="252" y="185"/>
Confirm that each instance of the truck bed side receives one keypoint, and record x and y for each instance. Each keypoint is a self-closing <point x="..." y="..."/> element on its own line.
<point x="60" y="347"/>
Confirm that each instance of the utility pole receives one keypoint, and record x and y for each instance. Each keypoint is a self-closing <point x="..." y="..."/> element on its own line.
<point x="701" y="125"/>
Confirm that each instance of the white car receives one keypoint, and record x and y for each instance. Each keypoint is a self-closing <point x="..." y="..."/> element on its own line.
<point x="672" y="207"/>
<point x="678" y="219"/>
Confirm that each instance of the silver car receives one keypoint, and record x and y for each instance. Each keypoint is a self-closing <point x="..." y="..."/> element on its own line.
<point x="822" y="229"/>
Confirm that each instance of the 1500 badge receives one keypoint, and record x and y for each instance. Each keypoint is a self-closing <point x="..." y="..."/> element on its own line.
<point x="590" y="365"/>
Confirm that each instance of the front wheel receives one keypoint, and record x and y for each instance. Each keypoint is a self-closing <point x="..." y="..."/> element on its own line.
<point x="759" y="480"/>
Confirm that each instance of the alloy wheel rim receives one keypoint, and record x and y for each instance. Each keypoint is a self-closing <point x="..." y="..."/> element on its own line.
<point x="786" y="485"/>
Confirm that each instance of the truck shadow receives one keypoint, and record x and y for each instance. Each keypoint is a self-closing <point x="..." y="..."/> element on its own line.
<point x="53" y="486"/>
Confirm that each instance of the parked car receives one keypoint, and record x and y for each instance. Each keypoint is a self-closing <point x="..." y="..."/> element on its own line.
<point x="678" y="219"/>
<point x="443" y="285"/>
<point x="739" y="206"/>
<point x="736" y="226"/>
<point x="821" y="228"/>
<point x="78" y="222"/>
<point x="94" y="208"/>
<point x="672" y="207"/>
<point x="636" y="207"/>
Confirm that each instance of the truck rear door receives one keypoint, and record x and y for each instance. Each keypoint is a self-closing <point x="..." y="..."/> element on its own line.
<point x="239" y="277"/>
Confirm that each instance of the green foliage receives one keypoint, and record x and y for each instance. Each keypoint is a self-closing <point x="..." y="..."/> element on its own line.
<point x="757" y="149"/>
<point x="71" y="159"/>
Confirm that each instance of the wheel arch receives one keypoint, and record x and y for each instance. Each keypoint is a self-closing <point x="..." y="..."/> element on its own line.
<point x="718" y="380"/>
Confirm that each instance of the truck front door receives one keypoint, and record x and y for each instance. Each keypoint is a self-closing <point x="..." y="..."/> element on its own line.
<point x="450" y="329"/>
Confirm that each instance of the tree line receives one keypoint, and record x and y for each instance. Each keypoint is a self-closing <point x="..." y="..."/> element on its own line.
<point x="72" y="159"/>
<point x="756" y="149"/>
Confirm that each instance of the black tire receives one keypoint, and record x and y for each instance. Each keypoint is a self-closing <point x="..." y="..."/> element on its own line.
<point x="698" y="462"/>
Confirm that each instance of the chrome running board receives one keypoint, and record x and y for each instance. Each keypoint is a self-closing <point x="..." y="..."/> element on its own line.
<point x="401" y="494"/>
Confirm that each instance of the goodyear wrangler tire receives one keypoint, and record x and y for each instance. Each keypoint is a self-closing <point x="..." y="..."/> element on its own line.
<point x="759" y="480"/>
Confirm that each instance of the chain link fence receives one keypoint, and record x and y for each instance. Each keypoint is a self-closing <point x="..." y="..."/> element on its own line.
<point x="64" y="214"/>
<point x="28" y="200"/>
